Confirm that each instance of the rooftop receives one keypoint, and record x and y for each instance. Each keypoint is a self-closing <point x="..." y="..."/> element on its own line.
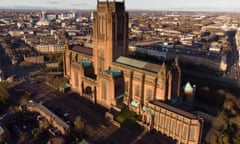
<point x="84" y="50"/>
<point x="65" y="86"/>
<point x="188" y="87"/>
<point x="139" y="64"/>
<point x="114" y="72"/>
<point x="85" y="63"/>
<point x="174" y="109"/>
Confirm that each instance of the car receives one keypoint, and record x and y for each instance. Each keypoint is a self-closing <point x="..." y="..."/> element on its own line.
<point x="39" y="117"/>
<point x="30" y="101"/>
<point x="70" y="123"/>
<point x="66" y="114"/>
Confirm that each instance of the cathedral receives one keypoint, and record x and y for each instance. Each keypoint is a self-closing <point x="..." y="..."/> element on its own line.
<point x="106" y="76"/>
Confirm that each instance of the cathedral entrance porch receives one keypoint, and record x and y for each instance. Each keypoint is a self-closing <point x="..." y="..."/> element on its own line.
<point x="89" y="93"/>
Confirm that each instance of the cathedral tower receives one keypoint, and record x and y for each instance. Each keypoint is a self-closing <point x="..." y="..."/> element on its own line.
<point x="110" y="33"/>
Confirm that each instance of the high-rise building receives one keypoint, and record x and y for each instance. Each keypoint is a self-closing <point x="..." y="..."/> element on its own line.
<point x="106" y="76"/>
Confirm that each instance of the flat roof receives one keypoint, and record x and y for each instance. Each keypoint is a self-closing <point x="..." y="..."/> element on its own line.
<point x="174" y="109"/>
<point x="139" y="64"/>
<point x="84" y="50"/>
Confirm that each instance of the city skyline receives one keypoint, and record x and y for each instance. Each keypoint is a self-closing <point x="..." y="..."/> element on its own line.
<point x="171" y="5"/>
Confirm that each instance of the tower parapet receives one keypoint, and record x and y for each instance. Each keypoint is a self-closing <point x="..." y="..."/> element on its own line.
<point x="110" y="33"/>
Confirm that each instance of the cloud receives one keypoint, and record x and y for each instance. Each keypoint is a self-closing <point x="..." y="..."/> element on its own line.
<point x="53" y="2"/>
<point x="79" y="4"/>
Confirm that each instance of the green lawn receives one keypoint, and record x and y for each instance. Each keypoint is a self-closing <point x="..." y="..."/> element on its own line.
<point x="128" y="119"/>
<point x="125" y="115"/>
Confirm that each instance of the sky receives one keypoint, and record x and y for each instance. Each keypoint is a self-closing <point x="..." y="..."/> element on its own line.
<point x="182" y="5"/>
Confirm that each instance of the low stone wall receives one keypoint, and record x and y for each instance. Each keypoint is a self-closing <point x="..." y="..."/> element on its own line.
<point x="110" y="117"/>
<point x="54" y="120"/>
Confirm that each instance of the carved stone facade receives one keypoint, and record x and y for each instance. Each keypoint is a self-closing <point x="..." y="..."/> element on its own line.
<point x="106" y="76"/>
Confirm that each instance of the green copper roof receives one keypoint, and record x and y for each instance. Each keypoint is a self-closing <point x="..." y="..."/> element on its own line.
<point x="114" y="72"/>
<point x="188" y="87"/>
<point x="65" y="86"/>
<point x="134" y="103"/>
<point x="119" y="96"/>
<point x="150" y="111"/>
<point x="139" y="64"/>
<point x="85" y="63"/>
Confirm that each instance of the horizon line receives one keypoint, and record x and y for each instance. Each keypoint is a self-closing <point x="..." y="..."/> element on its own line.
<point x="146" y="10"/>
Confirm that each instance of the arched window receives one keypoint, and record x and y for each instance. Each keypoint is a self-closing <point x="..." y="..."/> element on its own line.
<point x="76" y="58"/>
<point x="88" y="90"/>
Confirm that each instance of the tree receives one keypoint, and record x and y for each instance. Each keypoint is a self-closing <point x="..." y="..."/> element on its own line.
<point x="57" y="140"/>
<point x="23" y="138"/>
<point x="225" y="127"/>
<point x="25" y="98"/>
<point x="4" y="95"/>
<point x="78" y="124"/>
<point x="43" y="124"/>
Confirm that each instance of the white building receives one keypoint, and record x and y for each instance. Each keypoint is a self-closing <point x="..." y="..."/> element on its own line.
<point x="50" y="48"/>
<point x="43" y="21"/>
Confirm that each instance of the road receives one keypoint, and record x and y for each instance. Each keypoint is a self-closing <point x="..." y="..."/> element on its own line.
<point x="207" y="77"/>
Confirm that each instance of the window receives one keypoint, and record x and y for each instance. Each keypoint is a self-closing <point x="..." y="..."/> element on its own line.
<point x="156" y="121"/>
<point x="179" y="126"/>
<point x="166" y="123"/>
<point x="163" y="121"/>
<point x="102" y="25"/>
<point x="101" y="60"/>
<point x="173" y="125"/>
<point x="76" y="58"/>
<point x="137" y="91"/>
<point x="192" y="134"/>
<point x="104" y="89"/>
<point x="76" y="79"/>
<point x="160" y="120"/>
<point x="101" y="68"/>
<point x="126" y="86"/>
<point x="184" y="134"/>
<point x="149" y="94"/>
